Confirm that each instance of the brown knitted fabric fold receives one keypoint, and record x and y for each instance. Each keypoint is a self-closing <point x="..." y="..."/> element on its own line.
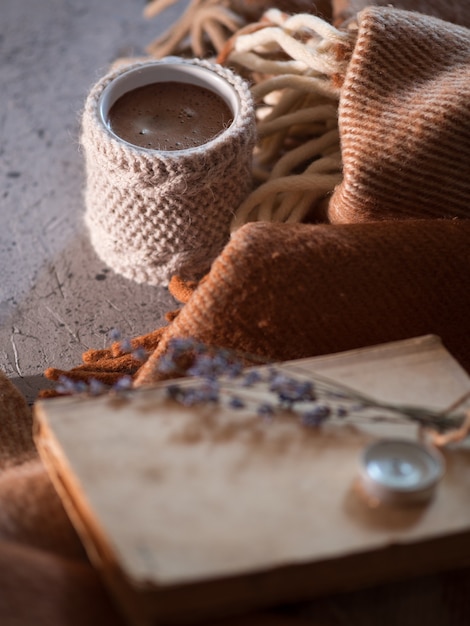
<point x="291" y="291"/>
<point x="453" y="11"/>
<point x="30" y="509"/>
<point x="45" y="578"/>
<point x="16" y="440"/>
<point x="32" y="513"/>
<point x="404" y="120"/>
<point x="40" y="588"/>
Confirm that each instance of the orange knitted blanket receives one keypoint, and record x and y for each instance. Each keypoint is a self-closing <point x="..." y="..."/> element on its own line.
<point x="388" y="258"/>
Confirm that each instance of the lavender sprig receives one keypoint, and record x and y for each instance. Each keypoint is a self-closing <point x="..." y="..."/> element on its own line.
<point x="315" y="399"/>
<point x="220" y="376"/>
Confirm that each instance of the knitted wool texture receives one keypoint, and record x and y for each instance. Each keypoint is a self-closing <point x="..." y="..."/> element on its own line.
<point x="287" y="291"/>
<point x="403" y="120"/>
<point x="451" y="11"/>
<point x="152" y="214"/>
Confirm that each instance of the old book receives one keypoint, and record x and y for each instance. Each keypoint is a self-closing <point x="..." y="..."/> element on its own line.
<point x="194" y="513"/>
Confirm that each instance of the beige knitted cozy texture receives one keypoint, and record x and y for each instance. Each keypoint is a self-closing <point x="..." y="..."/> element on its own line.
<point x="152" y="214"/>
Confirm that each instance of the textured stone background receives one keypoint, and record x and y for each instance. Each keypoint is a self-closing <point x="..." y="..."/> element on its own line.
<point x="57" y="299"/>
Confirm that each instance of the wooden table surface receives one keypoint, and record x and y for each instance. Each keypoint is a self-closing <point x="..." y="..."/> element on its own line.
<point x="57" y="298"/>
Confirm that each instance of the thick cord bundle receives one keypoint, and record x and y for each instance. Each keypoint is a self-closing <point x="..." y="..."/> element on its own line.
<point x="205" y="25"/>
<point x="297" y="62"/>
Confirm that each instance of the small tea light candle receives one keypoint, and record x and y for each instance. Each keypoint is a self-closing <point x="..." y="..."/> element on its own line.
<point x="400" y="471"/>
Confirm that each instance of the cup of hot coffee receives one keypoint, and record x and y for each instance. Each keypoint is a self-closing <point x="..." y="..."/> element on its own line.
<point x="168" y="148"/>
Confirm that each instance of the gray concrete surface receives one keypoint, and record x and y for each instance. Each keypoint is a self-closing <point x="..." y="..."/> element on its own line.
<point x="57" y="299"/>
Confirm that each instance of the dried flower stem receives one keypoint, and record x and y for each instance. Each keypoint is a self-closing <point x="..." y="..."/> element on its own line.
<point x="279" y="386"/>
<point x="213" y="374"/>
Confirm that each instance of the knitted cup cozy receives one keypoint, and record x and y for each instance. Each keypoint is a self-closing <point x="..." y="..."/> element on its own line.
<point x="154" y="214"/>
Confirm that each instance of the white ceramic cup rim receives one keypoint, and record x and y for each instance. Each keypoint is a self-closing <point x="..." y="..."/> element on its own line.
<point x="170" y="70"/>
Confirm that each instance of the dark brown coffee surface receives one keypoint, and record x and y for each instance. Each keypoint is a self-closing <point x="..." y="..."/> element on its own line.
<point x="169" y="116"/>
